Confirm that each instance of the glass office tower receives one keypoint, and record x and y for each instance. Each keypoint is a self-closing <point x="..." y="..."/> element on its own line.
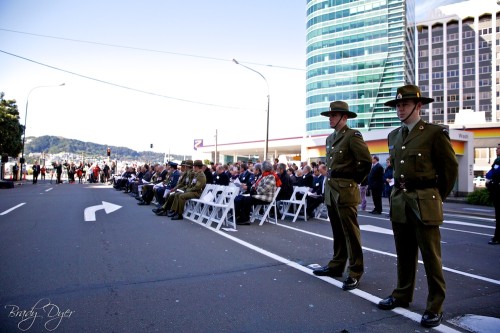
<point x="360" y="52"/>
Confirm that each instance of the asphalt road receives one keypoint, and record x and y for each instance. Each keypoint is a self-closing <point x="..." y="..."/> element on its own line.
<point x="132" y="271"/>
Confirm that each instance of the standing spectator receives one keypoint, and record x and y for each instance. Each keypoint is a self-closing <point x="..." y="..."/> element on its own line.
<point x="42" y="172"/>
<point x="389" y="179"/>
<point x="421" y="180"/>
<point x="58" y="167"/>
<point x="376" y="184"/>
<point x="208" y="174"/>
<point x="15" y="171"/>
<point x="36" y="172"/>
<point x="362" y="193"/>
<point x="348" y="161"/>
<point x="493" y="186"/>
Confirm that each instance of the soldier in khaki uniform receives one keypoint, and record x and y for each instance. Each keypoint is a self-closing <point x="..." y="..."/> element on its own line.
<point x="349" y="161"/>
<point x="193" y="190"/>
<point x="425" y="170"/>
<point x="184" y="181"/>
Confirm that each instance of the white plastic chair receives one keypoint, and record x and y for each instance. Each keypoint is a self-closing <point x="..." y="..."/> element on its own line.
<point x="219" y="209"/>
<point x="194" y="207"/>
<point x="256" y="209"/>
<point x="297" y="205"/>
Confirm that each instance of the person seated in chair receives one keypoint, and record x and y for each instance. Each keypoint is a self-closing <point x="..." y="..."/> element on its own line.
<point x="261" y="193"/>
<point x="317" y="192"/>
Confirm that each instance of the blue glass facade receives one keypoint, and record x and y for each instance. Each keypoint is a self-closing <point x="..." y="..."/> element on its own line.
<point x="358" y="51"/>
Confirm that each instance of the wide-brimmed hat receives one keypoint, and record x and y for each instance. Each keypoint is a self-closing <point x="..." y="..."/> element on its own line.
<point x="198" y="163"/>
<point x="409" y="92"/>
<point x="339" y="106"/>
<point x="188" y="163"/>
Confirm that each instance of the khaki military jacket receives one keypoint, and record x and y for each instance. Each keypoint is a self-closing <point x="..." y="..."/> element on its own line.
<point x="347" y="155"/>
<point x="198" y="182"/>
<point x="184" y="180"/>
<point x="426" y="157"/>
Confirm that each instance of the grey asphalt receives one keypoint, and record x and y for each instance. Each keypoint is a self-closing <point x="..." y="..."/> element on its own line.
<point x="132" y="271"/>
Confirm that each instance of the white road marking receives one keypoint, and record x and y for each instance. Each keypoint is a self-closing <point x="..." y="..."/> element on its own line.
<point x="479" y="210"/>
<point x="470" y="224"/>
<point x="49" y="189"/>
<point x="360" y="293"/>
<point x="11" y="209"/>
<point x="477" y="277"/>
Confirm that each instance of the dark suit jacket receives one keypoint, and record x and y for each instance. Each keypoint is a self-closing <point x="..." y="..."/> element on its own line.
<point x="376" y="178"/>
<point x="221" y="179"/>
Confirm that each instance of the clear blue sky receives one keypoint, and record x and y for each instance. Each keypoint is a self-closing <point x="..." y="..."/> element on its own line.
<point x="180" y="50"/>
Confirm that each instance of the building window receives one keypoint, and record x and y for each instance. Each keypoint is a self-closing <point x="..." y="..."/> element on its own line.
<point x="484" y="44"/>
<point x="468" y="71"/>
<point x="422" y="64"/>
<point x="468" y="97"/>
<point x="438" y="99"/>
<point x="437" y="39"/>
<point x="452" y="61"/>
<point x="485" y="95"/>
<point x="485" y="107"/>
<point x="437" y="51"/>
<point x="484" y="57"/>
<point x="437" y="75"/>
<point x="437" y="86"/>
<point x="423" y="77"/>
<point x="453" y="36"/>
<point x="453" y="73"/>
<point x="484" y="69"/>
<point x="423" y="41"/>
<point x="469" y="84"/>
<point x="452" y="98"/>
<point x="423" y="53"/>
<point x="454" y="85"/>
<point x="468" y="46"/>
<point x="468" y="34"/>
<point x="437" y="63"/>
<point x="452" y="48"/>
<point x="453" y="109"/>
<point x="437" y="111"/>
<point x="468" y="59"/>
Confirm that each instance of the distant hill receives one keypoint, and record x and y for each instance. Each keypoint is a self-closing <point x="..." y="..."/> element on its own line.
<point x="57" y="144"/>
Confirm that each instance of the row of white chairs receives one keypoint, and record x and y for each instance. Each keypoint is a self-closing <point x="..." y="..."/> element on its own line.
<point x="216" y="205"/>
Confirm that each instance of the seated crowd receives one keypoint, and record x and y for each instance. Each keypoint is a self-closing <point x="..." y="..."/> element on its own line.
<point x="169" y="186"/>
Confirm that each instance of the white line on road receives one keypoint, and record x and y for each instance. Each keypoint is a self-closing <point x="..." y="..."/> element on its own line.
<point x="479" y="210"/>
<point x="49" y="189"/>
<point x="470" y="224"/>
<point x="478" y="277"/>
<point x="360" y="293"/>
<point x="11" y="209"/>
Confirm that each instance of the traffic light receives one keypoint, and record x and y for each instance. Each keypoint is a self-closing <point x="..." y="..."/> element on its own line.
<point x="109" y="151"/>
<point x="151" y="146"/>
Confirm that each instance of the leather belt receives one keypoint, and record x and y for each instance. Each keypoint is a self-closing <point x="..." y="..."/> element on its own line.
<point x="346" y="175"/>
<point x="415" y="185"/>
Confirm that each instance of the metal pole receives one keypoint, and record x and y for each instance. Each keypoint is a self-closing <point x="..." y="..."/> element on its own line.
<point x="26" y="117"/>
<point x="268" y="103"/>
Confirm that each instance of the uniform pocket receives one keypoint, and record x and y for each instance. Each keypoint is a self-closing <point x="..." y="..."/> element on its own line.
<point x="430" y="206"/>
<point x="420" y="158"/>
<point x="348" y="192"/>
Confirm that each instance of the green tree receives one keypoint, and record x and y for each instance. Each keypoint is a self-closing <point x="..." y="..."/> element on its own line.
<point x="10" y="129"/>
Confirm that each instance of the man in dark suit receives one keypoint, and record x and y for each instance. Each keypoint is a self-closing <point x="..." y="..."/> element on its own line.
<point x="36" y="172"/>
<point x="376" y="184"/>
<point x="220" y="177"/>
<point x="425" y="171"/>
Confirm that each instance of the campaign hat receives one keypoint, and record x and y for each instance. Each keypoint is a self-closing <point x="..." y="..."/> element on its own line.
<point x="339" y="106"/>
<point x="409" y="92"/>
<point x="188" y="163"/>
<point x="198" y="163"/>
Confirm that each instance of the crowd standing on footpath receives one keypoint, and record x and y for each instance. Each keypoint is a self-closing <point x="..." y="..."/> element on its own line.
<point x="493" y="186"/>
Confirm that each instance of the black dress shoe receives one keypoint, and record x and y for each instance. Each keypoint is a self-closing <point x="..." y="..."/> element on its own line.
<point x="177" y="217"/>
<point x="430" y="319"/>
<point x="243" y="221"/>
<point x="375" y="212"/>
<point x="161" y="213"/>
<point x="494" y="241"/>
<point x="171" y="213"/>
<point x="350" y="283"/>
<point x="143" y="203"/>
<point x="327" y="271"/>
<point x="390" y="303"/>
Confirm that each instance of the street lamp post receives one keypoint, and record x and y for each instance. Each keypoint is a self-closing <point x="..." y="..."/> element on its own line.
<point x="26" y="116"/>
<point x="267" y="116"/>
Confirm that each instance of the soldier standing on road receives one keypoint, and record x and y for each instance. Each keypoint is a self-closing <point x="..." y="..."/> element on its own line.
<point x="349" y="161"/>
<point x="493" y="186"/>
<point x="425" y="171"/>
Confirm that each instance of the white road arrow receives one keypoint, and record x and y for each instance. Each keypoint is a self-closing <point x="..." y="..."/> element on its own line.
<point x="89" y="212"/>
